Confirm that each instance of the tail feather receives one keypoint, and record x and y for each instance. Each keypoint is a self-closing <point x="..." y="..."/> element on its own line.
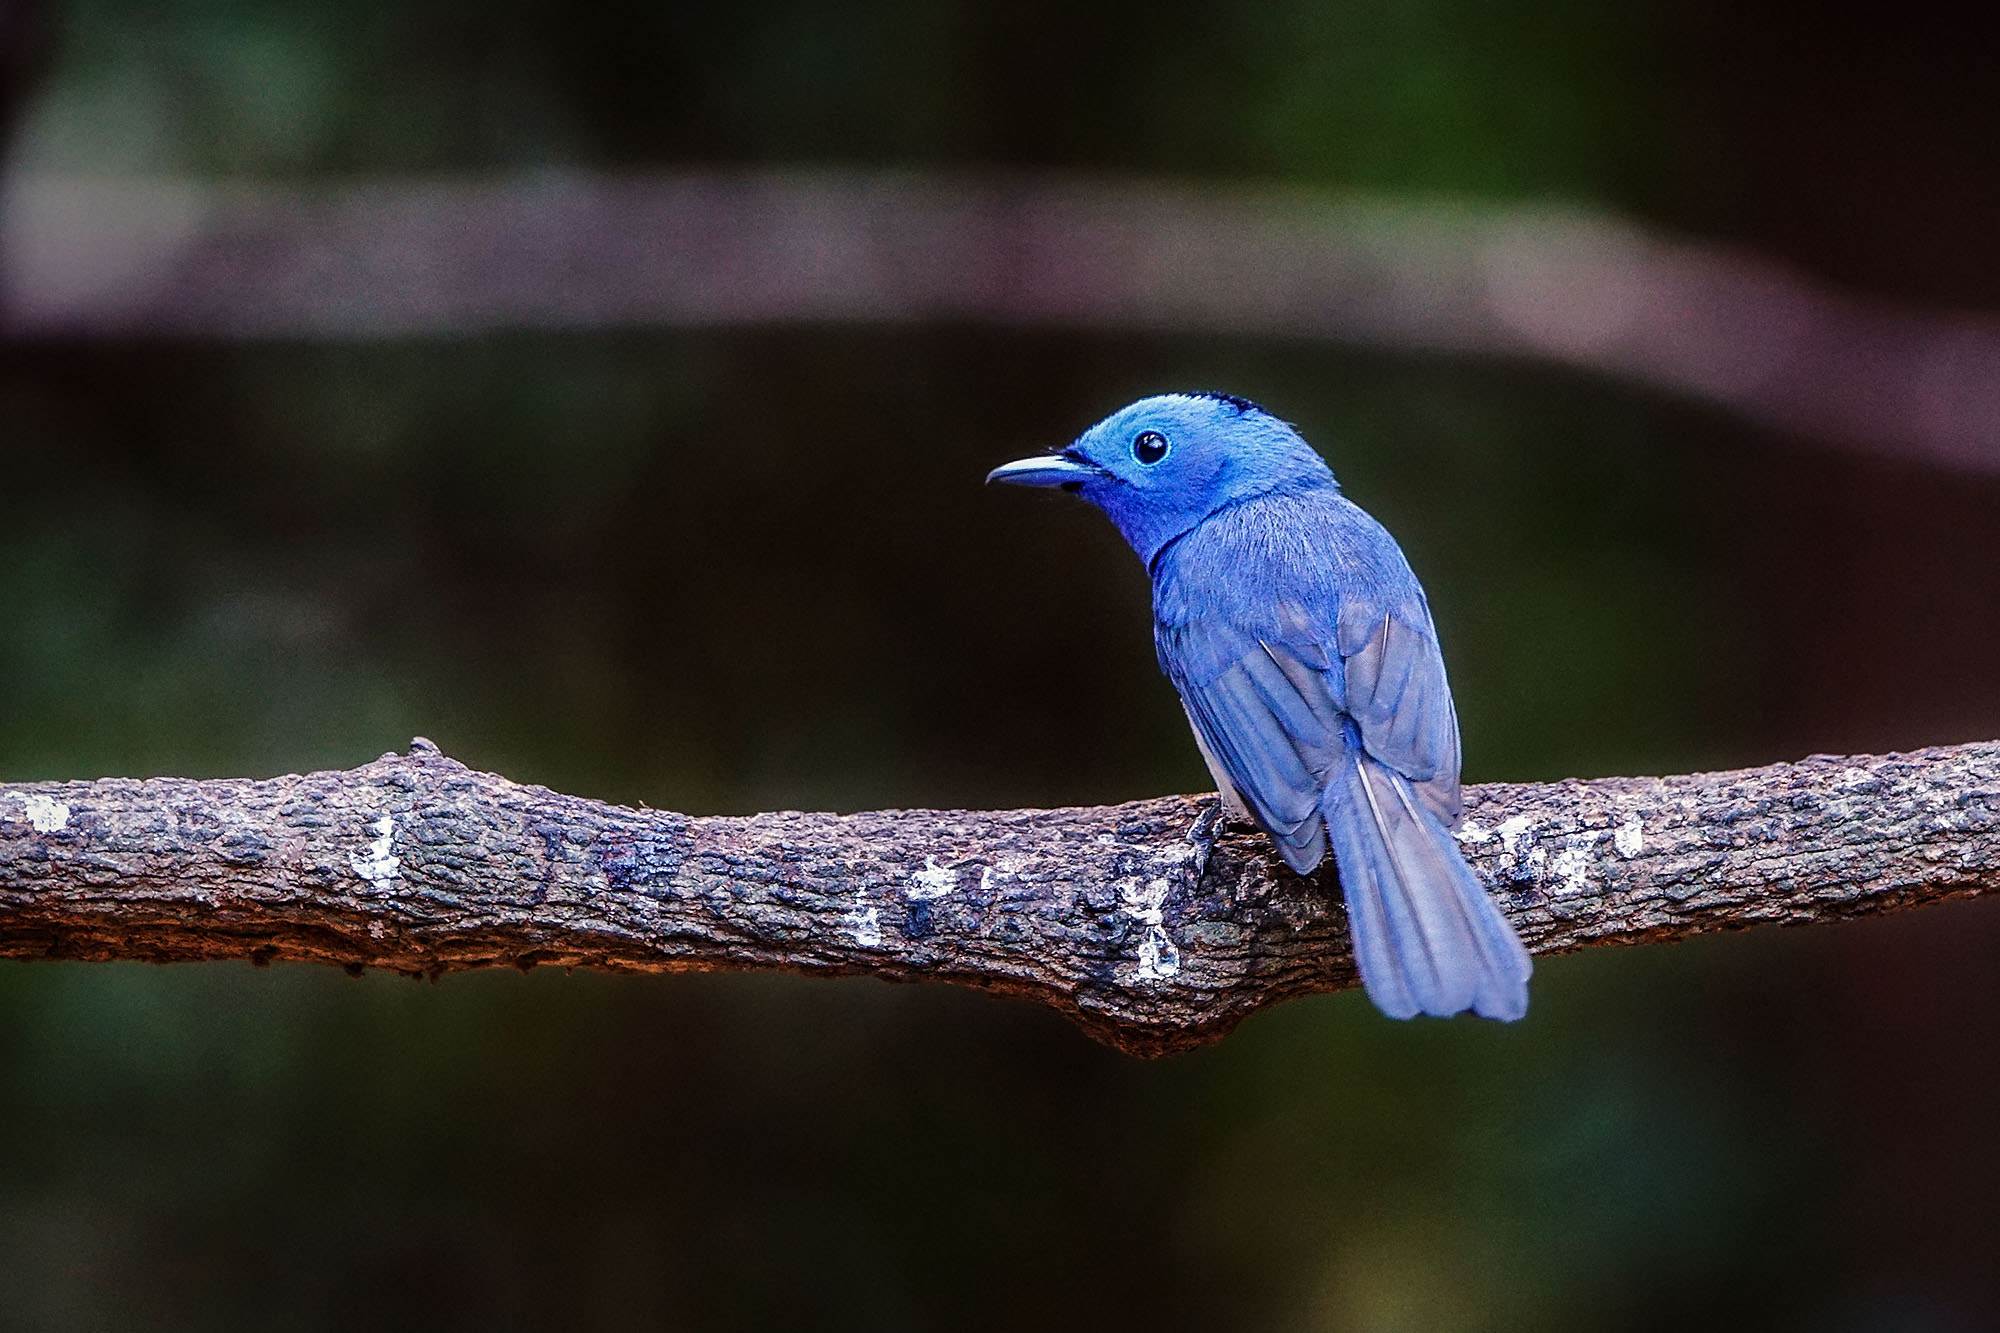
<point x="1427" y="937"/>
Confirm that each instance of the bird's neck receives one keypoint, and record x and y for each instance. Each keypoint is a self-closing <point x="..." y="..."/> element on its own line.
<point x="1151" y="532"/>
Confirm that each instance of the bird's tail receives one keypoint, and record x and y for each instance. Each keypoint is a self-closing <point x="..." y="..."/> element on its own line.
<point x="1427" y="938"/>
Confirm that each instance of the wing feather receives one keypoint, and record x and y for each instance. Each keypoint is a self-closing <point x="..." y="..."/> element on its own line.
<point x="1400" y="700"/>
<point x="1270" y="720"/>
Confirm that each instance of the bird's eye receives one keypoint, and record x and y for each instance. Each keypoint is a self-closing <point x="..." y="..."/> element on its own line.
<point x="1149" y="447"/>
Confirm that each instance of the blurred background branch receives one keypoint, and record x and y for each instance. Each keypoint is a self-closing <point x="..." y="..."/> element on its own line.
<point x="1148" y="923"/>
<point x="110" y="257"/>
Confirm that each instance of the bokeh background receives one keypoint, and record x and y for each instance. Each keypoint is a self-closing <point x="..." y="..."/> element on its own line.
<point x="724" y="569"/>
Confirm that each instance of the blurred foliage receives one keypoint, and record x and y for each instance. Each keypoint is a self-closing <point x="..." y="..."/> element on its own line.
<point x="1865" y="148"/>
<point x="727" y="572"/>
<point x="1442" y="94"/>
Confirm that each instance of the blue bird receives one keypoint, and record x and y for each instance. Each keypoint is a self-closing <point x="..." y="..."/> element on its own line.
<point x="1306" y="659"/>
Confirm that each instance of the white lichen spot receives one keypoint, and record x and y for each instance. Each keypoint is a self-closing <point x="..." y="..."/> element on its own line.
<point x="1159" y="957"/>
<point x="866" y="923"/>
<point x="985" y="879"/>
<point x="1473" y="832"/>
<point x="1629" y="838"/>
<point x="1510" y="831"/>
<point x="379" y="864"/>
<point x="1572" y="865"/>
<point x="45" y="814"/>
<point x="933" y="881"/>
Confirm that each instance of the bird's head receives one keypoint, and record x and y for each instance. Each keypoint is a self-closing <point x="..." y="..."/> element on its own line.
<point x="1163" y="464"/>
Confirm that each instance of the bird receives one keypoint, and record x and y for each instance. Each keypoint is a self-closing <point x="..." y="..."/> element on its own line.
<point x="1305" y="656"/>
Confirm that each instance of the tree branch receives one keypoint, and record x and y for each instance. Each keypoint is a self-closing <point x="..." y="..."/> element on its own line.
<point x="1152" y="924"/>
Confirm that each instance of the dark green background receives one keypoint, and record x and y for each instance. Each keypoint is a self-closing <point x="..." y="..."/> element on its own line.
<point x="729" y="572"/>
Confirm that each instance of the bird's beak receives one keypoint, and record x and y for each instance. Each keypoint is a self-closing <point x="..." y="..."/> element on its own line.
<point x="1052" y="470"/>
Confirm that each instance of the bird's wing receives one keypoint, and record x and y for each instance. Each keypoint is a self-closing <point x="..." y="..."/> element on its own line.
<point x="1398" y="696"/>
<point x="1276" y="707"/>
<point x="1266" y="707"/>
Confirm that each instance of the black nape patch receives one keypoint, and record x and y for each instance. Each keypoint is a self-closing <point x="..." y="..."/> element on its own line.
<point x="1241" y="405"/>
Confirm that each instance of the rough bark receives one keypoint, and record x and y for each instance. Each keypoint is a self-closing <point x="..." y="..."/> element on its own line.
<point x="1154" y="924"/>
